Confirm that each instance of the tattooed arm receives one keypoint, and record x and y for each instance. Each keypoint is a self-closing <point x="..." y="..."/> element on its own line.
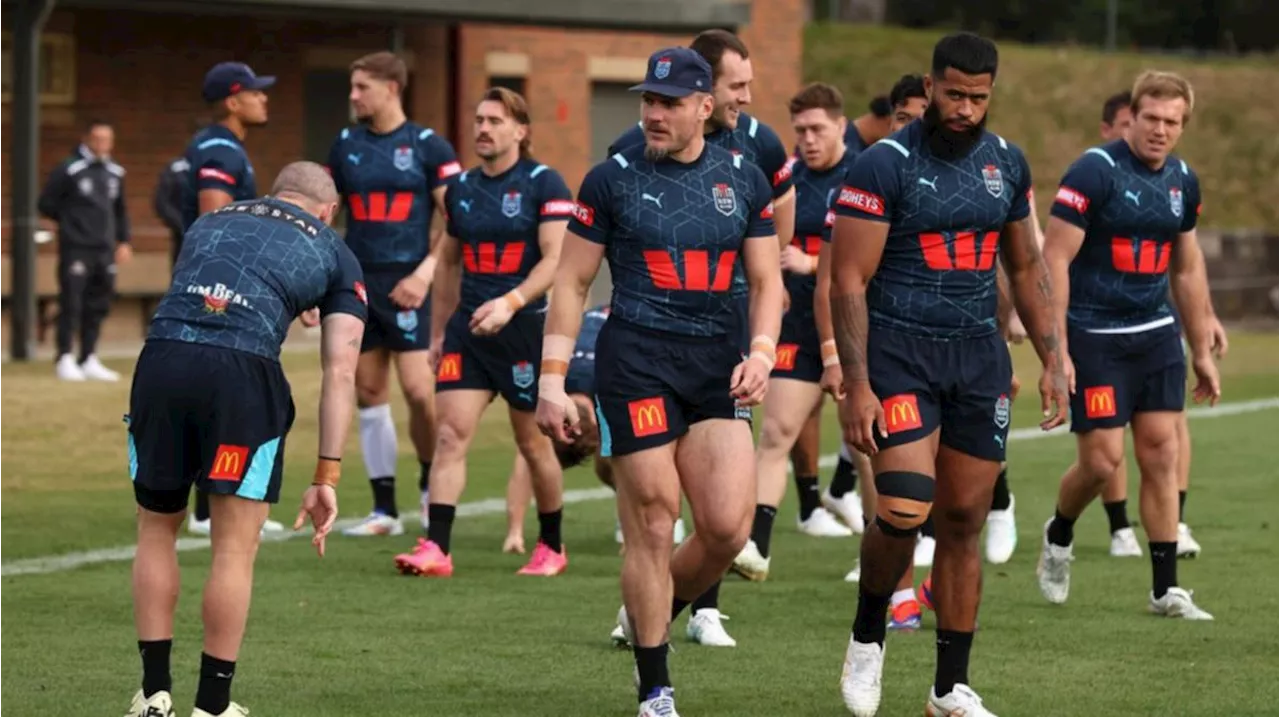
<point x="856" y="248"/>
<point x="1032" y="289"/>
<point x="1004" y="301"/>
<point x="1062" y="241"/>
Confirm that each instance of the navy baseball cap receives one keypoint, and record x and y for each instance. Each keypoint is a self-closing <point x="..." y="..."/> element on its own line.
<point x="229" y="78"/>
<point x="676" y="72"/>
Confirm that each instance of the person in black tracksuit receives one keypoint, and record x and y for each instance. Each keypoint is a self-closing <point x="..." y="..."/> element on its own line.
<point x="168" y="202"/>
<point x="85" y="196"/>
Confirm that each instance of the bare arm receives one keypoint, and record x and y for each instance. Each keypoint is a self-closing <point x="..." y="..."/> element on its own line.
<point x="764" y="287"/>
<point x="339" y="352"/>
<point x="784" y="217"/>
<point x="211" y="199"/>
<point x="447" y="284"/>
<point x="1032" y="289"/>
<point x="1061" y="244"/>
<point x="579" y="263"/>
<point x="550" y="240"/>
<point x="426" y="270"/>
<point x="822" y="296"/>
<point x="1191" y="291"/>
<point x="857" y="245"/>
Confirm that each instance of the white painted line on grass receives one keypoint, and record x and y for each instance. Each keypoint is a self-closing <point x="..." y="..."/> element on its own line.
<point x="497" y="506"/>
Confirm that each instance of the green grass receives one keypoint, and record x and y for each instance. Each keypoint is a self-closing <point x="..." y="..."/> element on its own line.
<point x="1048" y="100"/>
<point x="347" y="635"/>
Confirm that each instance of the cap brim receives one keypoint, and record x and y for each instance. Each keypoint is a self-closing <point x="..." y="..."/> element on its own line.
<point x="659" y="88"/>
<point x="262" y="82"/>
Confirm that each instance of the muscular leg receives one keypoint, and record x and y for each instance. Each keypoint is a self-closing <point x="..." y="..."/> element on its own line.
<point x="963" y="498"/>
<point x="789" y="406"/>
<point x="1155" y="444"/>
<point x="804" y="454"/>
<point x="648" y="502"/>
<point x="418" y="382"/>
<point x="1115" y="498"/>
<point x="378" y="442"/>
<point x="1184" y="464"/>
<point x="155" y="595"/>
<point x="460" y="413"/>
<point x="547" y="478"/>
<point x="236" y="526"/>
<point x="519" y="492"/>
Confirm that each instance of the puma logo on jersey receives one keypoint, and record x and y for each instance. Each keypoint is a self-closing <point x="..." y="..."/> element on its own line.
<point x="650" y="198"/>
<point x="353" y="158"/>
<point x="465" y="204"/>
<point x="930" y="183"/>
<point x="1135" y="196"/>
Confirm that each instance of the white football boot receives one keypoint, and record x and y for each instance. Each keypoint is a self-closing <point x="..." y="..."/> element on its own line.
<point x="1054" y="569"/>
<point x="706" y="628"/>
<point x="1124" y="544"/>
<point x="925" y="548"/>
<point x="961" y="701"/>
<point x="822" y="524"/>
<point x="1187" y="545"/>
<point x="94" y="370"/>
<point x="860" y="679"/>
<point x="68" y="369"/>
<point x="848" y="508"/>
<point x="660" y="703"/>
<point x="1177" y="603"/>
<point x="232" y="710"/>
<point x="750" y="564"/>
<point x="1002" y="535"/>
<point x="375" y="524"/>
<point x="160" y="705"/>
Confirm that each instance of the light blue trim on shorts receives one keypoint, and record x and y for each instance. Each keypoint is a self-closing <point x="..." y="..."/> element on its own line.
<point x="606" y="435"/>
<point x="258" y="478"/>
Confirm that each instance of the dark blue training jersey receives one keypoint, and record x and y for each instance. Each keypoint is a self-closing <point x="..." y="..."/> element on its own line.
<point x="1132" y="216"/>
<point x="852" y="139"/>
<point x="582" y="367"/>
<point x="216" y="160"/>
<point x="937" y="276"/>
<point x="753" y="139"/>
<point x="496" y="220"/>
<point x="248" y="269"/>
<point x="386" y="181"/>
<point x="674" y="235"/>
<point x="815" y="192"/>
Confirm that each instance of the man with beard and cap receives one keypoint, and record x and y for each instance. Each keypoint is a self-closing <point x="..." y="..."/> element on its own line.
<point x="927" y="375"/>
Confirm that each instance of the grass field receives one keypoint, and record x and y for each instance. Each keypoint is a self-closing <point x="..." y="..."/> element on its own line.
<point x="347" y="635"/>
<point x="1048" y="100"/>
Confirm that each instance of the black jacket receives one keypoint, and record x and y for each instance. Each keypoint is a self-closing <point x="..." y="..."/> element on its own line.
<point x="168" y="199"/>
<point x="85" y="196"/>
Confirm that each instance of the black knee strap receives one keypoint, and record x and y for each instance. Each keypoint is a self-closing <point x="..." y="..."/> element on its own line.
<point x="905" y="484"/>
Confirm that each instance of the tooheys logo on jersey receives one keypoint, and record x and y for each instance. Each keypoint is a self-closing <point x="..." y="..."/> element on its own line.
<point x="861" y="200"/>
<point x="218" y="297"/>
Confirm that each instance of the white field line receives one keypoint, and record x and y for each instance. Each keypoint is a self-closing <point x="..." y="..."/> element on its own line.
<point x="495" y="506"/>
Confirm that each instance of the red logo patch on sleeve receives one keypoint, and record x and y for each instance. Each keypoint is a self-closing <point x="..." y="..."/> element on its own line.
<point x="1071" y="199"/>
<point x="361" y="293"/>
<point x="861" y="200"/>
<point x="767" y="212"/>
<point x="229" y="463"/>
<point x="218" y="174"/>
<point x="448" y="170"/>
<point x="585" y="215"/>
<point x="783" y="174"/>
<point x="559" y="208"/>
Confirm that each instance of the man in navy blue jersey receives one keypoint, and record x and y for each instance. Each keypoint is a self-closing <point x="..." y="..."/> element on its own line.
<point x="1122" y="230"/>
<point x="210" y="405"/>
<point x="927" y="375"/>
<point x="219" y="172"/>
<point x="804" y="364"/>
<point x="687" y="229"/>
<point x="391" y="173"/>
<point x="733" y="129"/>
<point x="506" y="220"/>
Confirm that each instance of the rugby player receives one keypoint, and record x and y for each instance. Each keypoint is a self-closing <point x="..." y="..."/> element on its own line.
<point x="805" y="365"/>
<point x="506" y="221"/>
<point x="210" y="405"/>
<point x="1116" y="119"/>
<point x="391" y="173"/>
<point x="687" y="229"/>
<point x="220" y="173"/>
<point x="1121" y="234"/>
<point x="927" y="374"/>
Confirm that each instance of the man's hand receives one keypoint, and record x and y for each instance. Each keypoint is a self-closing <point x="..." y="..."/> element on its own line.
<point x="1217" y="338"/>
<point x="310" y="318"/>
<point x="1014" y="387"/>
<point x="750" y="381"/>
<point x="557" y="417"/>
<point x="796" y="261"/>
<point x="320" y="502"/>
<point x="1015" y="332"/>
<point x="833" y="381"/>
<point x="860" y="412"/>
<point x="411" y="291"/>
<point x="435" y="351"/>
<point x="124" y="252"/>
<point x="1208" y="386"/>
<point x="1055" y="388"/>
<point x="491" y="317"/>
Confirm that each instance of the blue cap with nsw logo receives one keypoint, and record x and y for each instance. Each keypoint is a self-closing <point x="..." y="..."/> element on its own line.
<point x="228" y="78"/>
<point x="676" y="72"/>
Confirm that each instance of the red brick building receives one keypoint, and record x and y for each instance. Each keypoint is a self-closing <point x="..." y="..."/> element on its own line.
<point x="140" y="66"/>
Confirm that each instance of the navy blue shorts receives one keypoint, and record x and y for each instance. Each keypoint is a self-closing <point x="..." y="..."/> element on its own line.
<point x="960" y="385"/>
<point x="581" y="377"/>
<point x="390" y="326"/>
<point x="799" y="354"/>
<point x="209" y="416"/>
<point x="506" y="363"/>
<point x="1118" y="375"/>
<point x="651" y="385"/>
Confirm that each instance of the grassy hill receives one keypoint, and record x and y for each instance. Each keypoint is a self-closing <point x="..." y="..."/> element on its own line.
<point x="1049" y="100"/>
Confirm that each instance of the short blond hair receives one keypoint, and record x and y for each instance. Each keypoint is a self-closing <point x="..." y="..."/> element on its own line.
<point x="1162" y="86"/>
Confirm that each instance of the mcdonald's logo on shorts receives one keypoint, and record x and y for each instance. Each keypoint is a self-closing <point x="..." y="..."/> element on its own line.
<point x="229" y="463"/>
<point x="785" y="358"/>
<point x="901" y="413"/>
<point x="1100" y="402"/>
<point x="648" y="416"/>
<point x="450" y="368"/>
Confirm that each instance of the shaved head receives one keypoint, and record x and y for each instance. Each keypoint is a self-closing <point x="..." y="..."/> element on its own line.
<point x="308" y="185"/>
